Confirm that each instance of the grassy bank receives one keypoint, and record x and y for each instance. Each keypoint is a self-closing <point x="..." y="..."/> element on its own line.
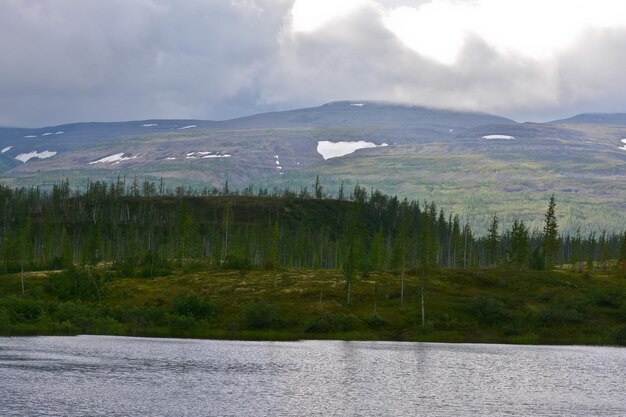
<point x="490" y="306"/>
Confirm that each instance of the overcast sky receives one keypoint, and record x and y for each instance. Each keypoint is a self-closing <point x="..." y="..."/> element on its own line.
<point x="92" y="60"/>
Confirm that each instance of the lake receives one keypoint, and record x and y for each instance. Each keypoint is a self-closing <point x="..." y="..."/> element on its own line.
<point x="121" y="376"/>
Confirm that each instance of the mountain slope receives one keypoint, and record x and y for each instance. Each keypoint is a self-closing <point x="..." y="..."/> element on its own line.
<point x="595" y="118"/>
<point x="474" y="163"/>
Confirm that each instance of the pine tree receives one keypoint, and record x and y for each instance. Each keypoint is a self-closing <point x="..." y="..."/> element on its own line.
<point x="604" y="250"/>
<point x="341" y="195"/>
<point x="591" y="251"/>
<point x="519" y="244"/>
<point x="577" y="252"/>
<point x="377" y="251"/>
<point x="493" y="241"/>
<point x="622" y="253"/>
<point x="318" y="188"/>
<point x="399" y="255"/>
<point x="428" y="252"/>
<point x="550" y="235"/>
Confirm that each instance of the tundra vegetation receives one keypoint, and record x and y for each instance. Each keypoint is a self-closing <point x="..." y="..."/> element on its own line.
<point x="136" y="259"/>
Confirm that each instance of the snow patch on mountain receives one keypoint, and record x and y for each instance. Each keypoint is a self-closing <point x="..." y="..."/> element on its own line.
<point x="205" y="155"/>
<point x="149" y="125"/>
<point x="115" y="159"/>
<point x="196" y="154"/>
<point x="187" y="127"/>
<point x="25" y="157"/>
<point x="277" y="162"/>
<point x="7" y="149"/>
<point x="30" y="136"/>
<point x="330" y="149"/>
<point x="496" y="137"/>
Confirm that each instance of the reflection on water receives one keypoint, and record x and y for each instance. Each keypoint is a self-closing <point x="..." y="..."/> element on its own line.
<point x="116" y="376"/>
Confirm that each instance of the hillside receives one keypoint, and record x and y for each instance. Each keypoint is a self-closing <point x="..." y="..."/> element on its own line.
<point x="558" y="307"/>
<point x="290" y="266"/>
<point x="473" y="163"/>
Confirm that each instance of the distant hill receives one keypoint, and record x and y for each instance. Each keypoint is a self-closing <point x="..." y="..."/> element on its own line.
<point x="472" y="163"/>
<point x="595" y="118"/>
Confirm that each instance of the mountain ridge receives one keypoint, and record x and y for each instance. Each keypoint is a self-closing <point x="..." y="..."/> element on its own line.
<point x="468" y="161"/>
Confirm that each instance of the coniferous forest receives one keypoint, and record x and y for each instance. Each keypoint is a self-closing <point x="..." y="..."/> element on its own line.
<point x="138" y="226"/>
<point x="142" y="231"/>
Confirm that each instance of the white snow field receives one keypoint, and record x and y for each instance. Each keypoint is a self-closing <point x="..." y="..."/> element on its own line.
<point x="25" y="157"/>
<point x="330" y="149"/>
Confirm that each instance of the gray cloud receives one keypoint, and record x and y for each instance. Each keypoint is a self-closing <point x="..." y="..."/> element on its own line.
<point x="78" y="60"/>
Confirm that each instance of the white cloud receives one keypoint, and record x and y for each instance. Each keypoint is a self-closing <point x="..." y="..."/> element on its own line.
<point x="311" y="15"/>
<point x="70" y="60"/>
<point x="537" y="29"/>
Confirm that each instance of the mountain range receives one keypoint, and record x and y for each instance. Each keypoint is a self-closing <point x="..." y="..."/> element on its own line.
<point x="473" y="164"/>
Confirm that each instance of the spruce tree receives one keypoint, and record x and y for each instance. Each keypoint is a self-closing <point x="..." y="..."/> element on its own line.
<point x="519" y="244"/>
<point x="550" y="235"/>
<point x="622" y="254"/>
<point x="493" y="241"/>
<point x="577" y="252"/>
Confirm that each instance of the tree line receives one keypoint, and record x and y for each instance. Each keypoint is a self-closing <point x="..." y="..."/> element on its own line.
<point x="145" y="229"/>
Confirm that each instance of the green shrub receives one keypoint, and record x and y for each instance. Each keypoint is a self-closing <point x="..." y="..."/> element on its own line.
<point x="489" y="310"/>
<point x="140" y="316"/>
<point x="80" y="315"/>
<point x="512" y="328"/>
<point x="192" y="305"/>
<point x="5" y="319"/>
<point x="620" y="336"/>
<point x="445" y="322"/>
<point x="125" y="267"/>
<point x="153" y="265"/>
<point x="331" y="323"/>
<point x="22" y="310"/>
<point x="237" y="262"/>
<point x="606" y="298"/>
<point x="375" y="322"/>
<point x="178" y="322"/>
<point x="75" y="283"/>
<point x="107" y="325"/>
<point x="261" y="315"/>
<point x="557" y="314"/>
<point x="193" y="265"/>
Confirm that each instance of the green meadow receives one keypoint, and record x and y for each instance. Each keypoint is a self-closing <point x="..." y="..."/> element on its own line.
<point x="468" y="306"/>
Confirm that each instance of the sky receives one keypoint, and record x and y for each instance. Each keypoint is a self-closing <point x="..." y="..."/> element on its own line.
<point x="90" y="60"/>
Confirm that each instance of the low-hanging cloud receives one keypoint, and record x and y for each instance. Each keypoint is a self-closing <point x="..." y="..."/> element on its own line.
<point x="77" y="60"/>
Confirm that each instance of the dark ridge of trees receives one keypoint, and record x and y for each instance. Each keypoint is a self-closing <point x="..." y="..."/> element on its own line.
<point x="143" y="229"/>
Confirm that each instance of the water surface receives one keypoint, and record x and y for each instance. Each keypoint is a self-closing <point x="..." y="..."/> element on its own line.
<point x="119" y="376"/>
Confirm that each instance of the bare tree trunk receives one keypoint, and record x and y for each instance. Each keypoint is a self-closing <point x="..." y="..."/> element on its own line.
<point x="376" y="298"/>
<point x="402" y="287"/>
<point x="95" y="284"/>
<point x="22" y="278"/>
<point x="423" y="313"/>
<point x="465" y="251"/>
<point x="321" y="298"/>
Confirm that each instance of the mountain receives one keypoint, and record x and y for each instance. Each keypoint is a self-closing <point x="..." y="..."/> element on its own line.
<point x="618" y="119"/>
<point x="474" y="164"/>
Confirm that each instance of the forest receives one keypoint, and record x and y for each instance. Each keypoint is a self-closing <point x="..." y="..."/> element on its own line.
<point x="139" y="228"/>
<point x="218" y="262"/>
